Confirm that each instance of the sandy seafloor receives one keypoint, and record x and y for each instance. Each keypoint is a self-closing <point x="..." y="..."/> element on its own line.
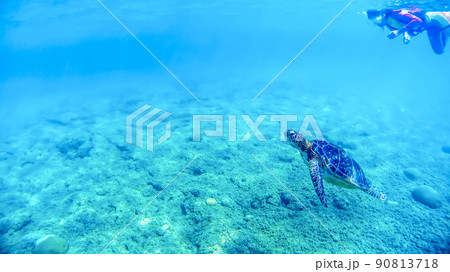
<point x="66" y="169"/>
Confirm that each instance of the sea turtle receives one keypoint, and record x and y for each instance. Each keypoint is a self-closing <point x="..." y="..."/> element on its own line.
<point x="332" y="163"/>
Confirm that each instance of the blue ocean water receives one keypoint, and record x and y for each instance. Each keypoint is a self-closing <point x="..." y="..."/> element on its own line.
<point x="71" y="74"/>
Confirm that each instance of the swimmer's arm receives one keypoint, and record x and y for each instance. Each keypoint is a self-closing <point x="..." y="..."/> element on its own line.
<point x="400" y="15"/>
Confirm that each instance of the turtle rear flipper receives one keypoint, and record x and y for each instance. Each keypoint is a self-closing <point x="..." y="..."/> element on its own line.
<point x="376" y="193"/>
<point x="316" y="177"/>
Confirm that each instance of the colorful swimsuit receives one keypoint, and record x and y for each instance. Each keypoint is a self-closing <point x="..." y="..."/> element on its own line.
<point x="410" y="19"/>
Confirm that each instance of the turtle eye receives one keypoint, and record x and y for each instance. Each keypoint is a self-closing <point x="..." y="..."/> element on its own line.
<point x="289" y="133"/>
<point x="292" y="135"/>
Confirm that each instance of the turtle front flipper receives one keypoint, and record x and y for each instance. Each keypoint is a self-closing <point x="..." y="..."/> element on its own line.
<point x="316" y="177"/>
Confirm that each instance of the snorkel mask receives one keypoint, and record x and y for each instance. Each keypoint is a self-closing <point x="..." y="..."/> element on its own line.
<point x="378" y="17"/>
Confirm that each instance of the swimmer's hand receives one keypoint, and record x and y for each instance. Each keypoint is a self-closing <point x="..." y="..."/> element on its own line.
<point x="393" y="34"/>
<point x="406" y="38"/>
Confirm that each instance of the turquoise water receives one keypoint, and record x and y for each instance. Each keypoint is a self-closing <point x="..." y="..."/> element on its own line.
<point x="71" y="74"/>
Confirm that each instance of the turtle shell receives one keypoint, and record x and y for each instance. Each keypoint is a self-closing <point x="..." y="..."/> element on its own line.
<point x="339" y="163"/>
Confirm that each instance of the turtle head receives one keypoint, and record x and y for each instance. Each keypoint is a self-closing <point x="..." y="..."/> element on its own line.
<point x="296" y="139"/>
<point x="293" y="136"/>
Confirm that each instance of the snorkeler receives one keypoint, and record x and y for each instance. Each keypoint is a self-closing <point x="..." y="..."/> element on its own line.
<point x="412" y="22"/>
